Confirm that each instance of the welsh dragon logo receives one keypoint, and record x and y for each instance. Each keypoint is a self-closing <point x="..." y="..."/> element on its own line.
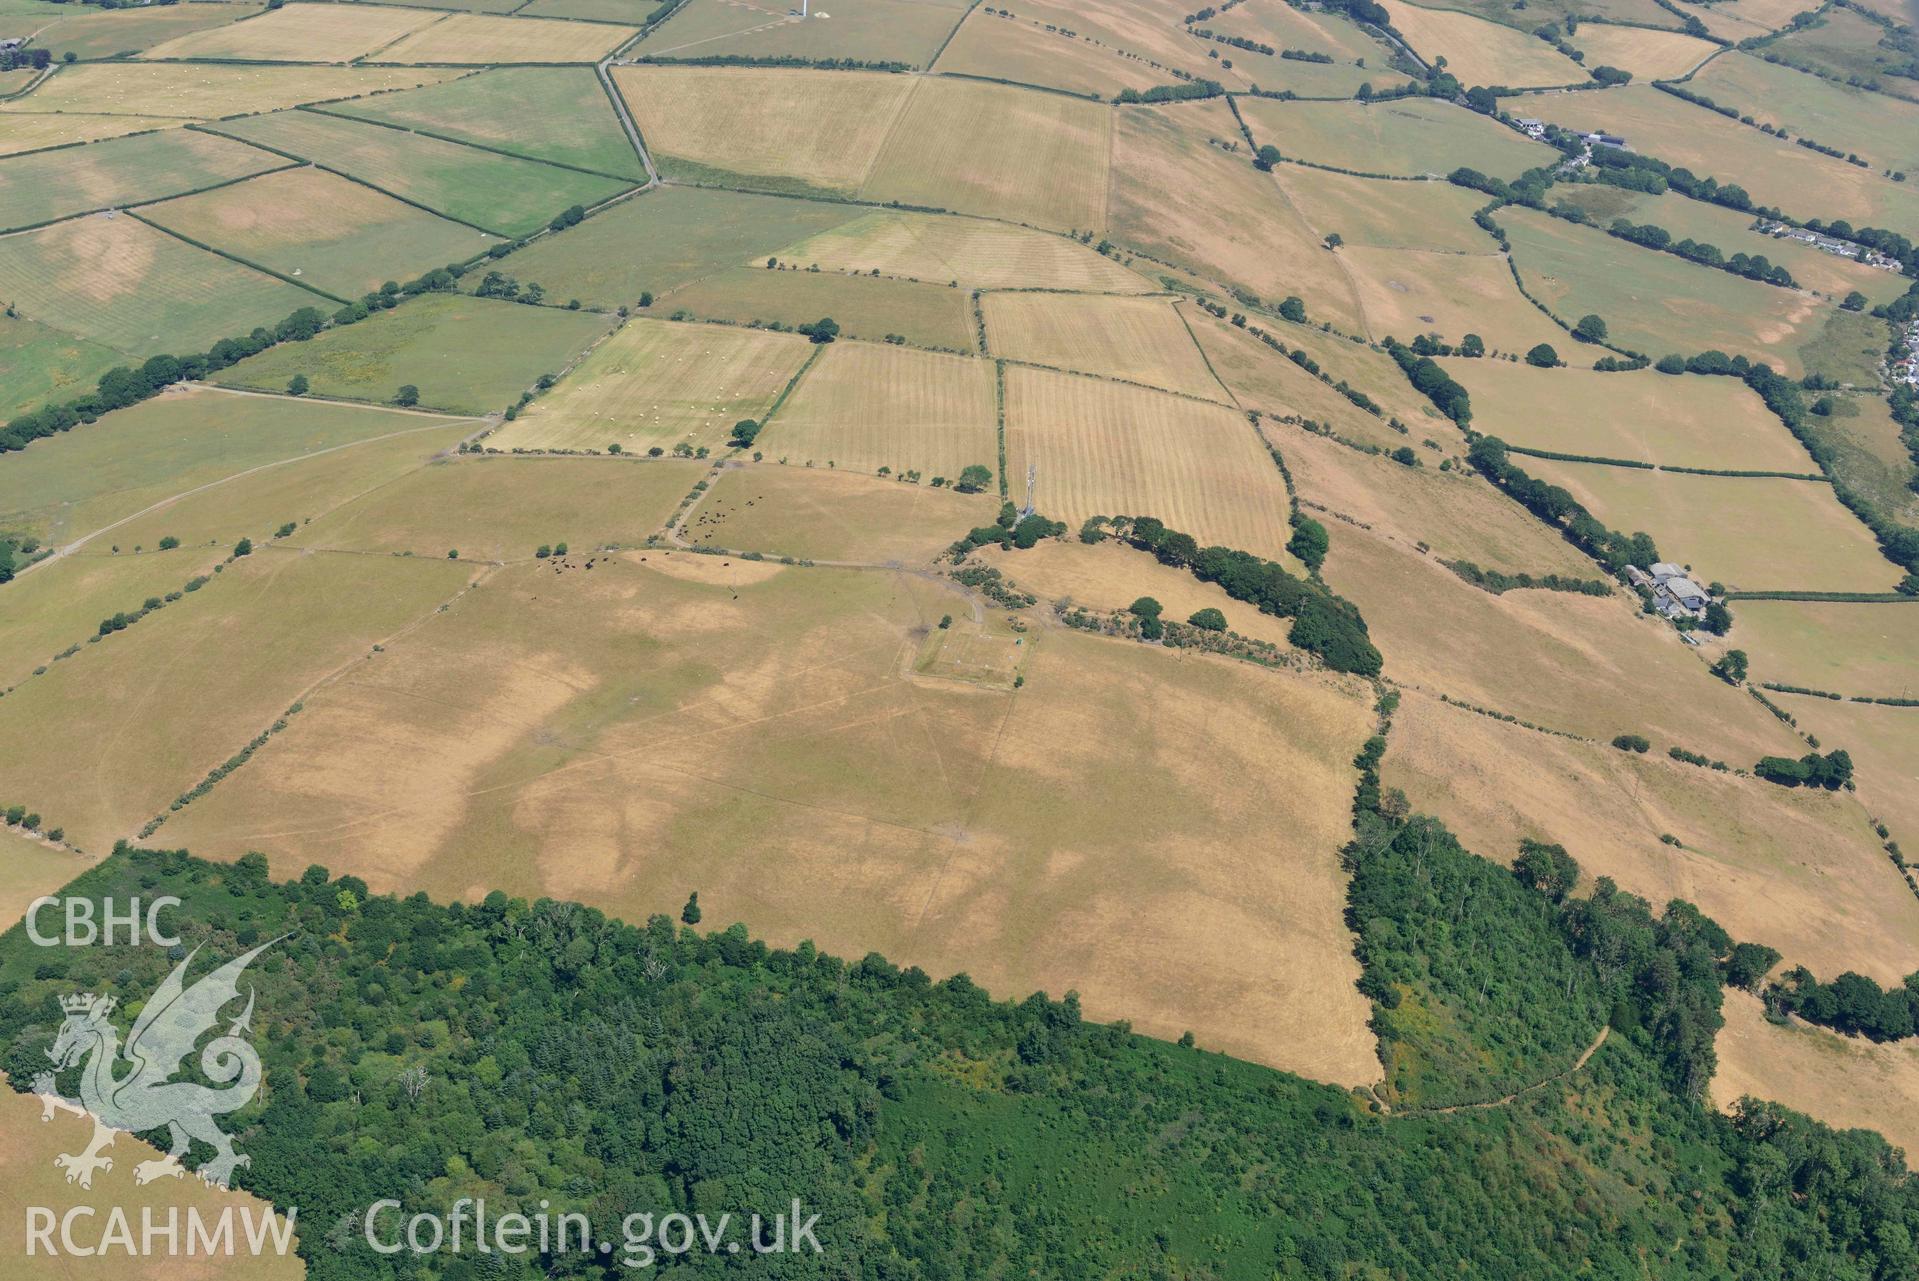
<point x="130" y="1088"/>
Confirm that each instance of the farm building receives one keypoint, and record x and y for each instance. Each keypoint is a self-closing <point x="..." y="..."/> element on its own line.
<point x="1674" y="594"/>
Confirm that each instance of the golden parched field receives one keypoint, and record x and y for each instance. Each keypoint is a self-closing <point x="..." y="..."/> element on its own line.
<point x="1021" y="155"/>
<point x="1799" y="869"/>
<point x="1644" y="416"/>
<point x="818" y="513"/>
<point x="1868" y="650"/>
<point x="207" y="91"/>
<point x="34" y="132"/>
<point x="1407" y="292"/>
<point x="1847" y="1082"/>
<point x="1754" y="533"/>
<point x="1259" y="378"/>
<point x="1406" y="137"/>
<point x="1479" y="52"/>
<point x="1884" y="743"/>
<point x="1107" y="449"/>
<point x="301" y="33"/>
<point x="865" y="406"/>
<point x="786" y="126"/>
<point x="667" y="718"/>
<point x="1649" y="55"/>
<point x="655" y="383"/>
<point x="1141" y="340"/>
<point x="972" y="252"/>
<point x="484" y="38"/>
<point x="1004" y="46"/>
<point x="1385" y="215"/>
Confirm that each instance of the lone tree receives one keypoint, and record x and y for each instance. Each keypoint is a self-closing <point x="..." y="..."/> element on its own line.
<point x="974" y="478"/>
<point x="1590" y="328"/>
<point x="1472" y="345"/>
<point x="407" y="395"/>
<point x="297" y="386"/>
<point x="823" y="330"/>
<point x="745" y="432"/>
<point x="1732" y="667"/>
<point x="1266" y="157"/>
<point x="1208" y="620"/>
<point x="1543" y="356"/>
<point x="1309" y="542"/>
<point x="690" y="914"/>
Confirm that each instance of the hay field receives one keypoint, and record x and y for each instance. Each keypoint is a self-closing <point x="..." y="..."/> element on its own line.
<point x="119" y="282"/>
<point x="1109" y="576"/>
<point x="258" y="504"/>
<point x="1270" y="73"/>
<point x="62" y="602"/>
<point x="1884" y="744"/>
<point x="1649" y="55"/>
<point x="477" y="39"/>
<point x="38" y="364"/>
<point x="654" y="383"/>
<point x="1751" y="533"/>
<point x="968" y="251"/>
<point x="206" y="91"/>
<point x="667" y="719"/>
<point x="1881" y="129"/>
<point x="502" y="194"/>
<point x="502" y="509"/>
<point x="1141" y="340"/>
<point x="665" y="238"/>
<point x="332" y="234"/>
<point x="542" y="113"/>
<point x="1386" y="215"/>
<point x="1277" y="23"/>
<point x="28" y="132"/>
<point x="1261" y="379"/>
<point x="1161" y="157"/>
<point x="1847" y="1082"/>
<point x="1408" y="292"/>
<point x="1458" y="517"/>
<point x="1408" y="137"/>
<point x="774" y="128"/>
<point x="467" y="355"/>
<point x="1802" y="182"/>
<point x="1644" y="416"/>
<point x="1868" y="650"/>
<point x="1800" y="871"/>
<point x="301" y="33"/>
<point x="122" y="728"/>
<point x="1585" y="665"/>
<point x="817" y="514"/>
<point x="907" y="31"/>
<point x="58" y="184"/>
<point x="28" y="869"/>
<point x="29" y="1178"/>
<point x="1106" y="449"/>
<point x="80" y="481"/>
<point x="1479" y="53"/>
<point x="1148" y="32"/>
<point x="112" y="33"/>
<point x="864" y="407"/>
<point x="1657" y="302"/>
<point x="1001" y="46"/>
<point x="1365" y="368"/>
<point x="925" y="315"/>
<point x="1016" y="154"/>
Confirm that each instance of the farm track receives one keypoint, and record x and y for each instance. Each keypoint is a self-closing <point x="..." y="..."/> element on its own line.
<point x="1503" y="1101"/>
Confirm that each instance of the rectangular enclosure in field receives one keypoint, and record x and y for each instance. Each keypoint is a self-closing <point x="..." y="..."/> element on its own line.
<point x="655" y="383"/>
<point x="330" y="233"/>
<point x="975" y="252"/>
<point x="301" y="33"/>
<point x="1105" y="449"/>
<point x="1016" y="154"/>
<point x="121" y="171"/>
<point x="865" y="406"/>
<point x="1140" y="340"/>
<point x="117" y="281"/>
<point x="503" y="194"/>
<point x="774" y="128"/>
<point x="484" y="38"/>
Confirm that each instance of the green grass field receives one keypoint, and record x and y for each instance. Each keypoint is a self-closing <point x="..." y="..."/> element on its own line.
<point x="1408" y="137"/>
<point x="81" y="481"/>
<point x="466" y="355"/>
<point x="47" y="185"/>
<point x="115" y="32"/>
<point x="123" y="284"/>
<point x="39" y="364"/>
<point x="330" y="233"/>
<point x="503" y="194"/>
<point x="1882" y="129"/>
<point x="543" y="113"/>
<point x="1657" y="302"/>
<point x="1848" y="46"/>
<point x="664" y="239"/>
<point x="925" y="315"/>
